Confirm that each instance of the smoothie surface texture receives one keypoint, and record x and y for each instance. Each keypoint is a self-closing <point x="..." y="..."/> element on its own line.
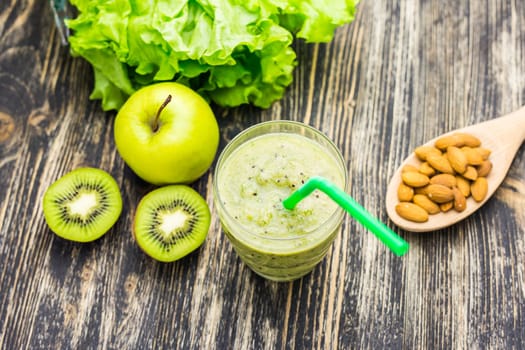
<point x="264" y="171"/>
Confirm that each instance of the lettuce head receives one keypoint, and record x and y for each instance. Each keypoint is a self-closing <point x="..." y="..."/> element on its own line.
<point x="232" y="52"/>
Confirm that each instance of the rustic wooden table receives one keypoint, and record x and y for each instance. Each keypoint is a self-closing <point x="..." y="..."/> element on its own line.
<point x="402" y="73"/>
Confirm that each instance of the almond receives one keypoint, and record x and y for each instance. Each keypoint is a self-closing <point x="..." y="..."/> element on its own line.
<point x="471" y="173"/>
<point x="473" y="157"/>
<point x="468" y="139"/>
<point x="412" y="212"/>
<point x="446" y="141"/>
<point x="426" y="169"/>
<point x="446" y="206"/>
<point x="457" y="158"/>
<point x="440" y="163"/>
<point x="423" y="151"/>
<point x="422" y="190"/>
<point x="457" y="139"/>
<point x="479" y="189"/>
<point x="414" y="179"/>
<point x="409" y="167"/>
<point x="440" y="193"/>
<point x="425" y="203"/>
<point x="405" y="193"/>
<point x="460" y="202"/>
<point x="483" y="152"/>
<point x="484" y="168"/>
<point x="463" y="185"/>
<point x="444" y="179"/>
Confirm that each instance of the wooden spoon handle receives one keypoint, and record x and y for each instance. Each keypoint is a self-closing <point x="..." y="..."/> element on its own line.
<point x="505" y="126"/>
<point x="520" y="117"/>
<point x="516" y="120"/>
<point x="504" y="135"/>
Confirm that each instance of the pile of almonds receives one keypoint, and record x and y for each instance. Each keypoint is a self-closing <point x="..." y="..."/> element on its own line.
<point x="453" y="169"/>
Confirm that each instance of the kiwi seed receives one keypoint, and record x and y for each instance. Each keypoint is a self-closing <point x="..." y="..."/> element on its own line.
<point x="82" y="205"/>
<point x="171" y="222"/>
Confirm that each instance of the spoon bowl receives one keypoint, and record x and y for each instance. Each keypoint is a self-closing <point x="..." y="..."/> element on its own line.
<point x="503" y="136"/>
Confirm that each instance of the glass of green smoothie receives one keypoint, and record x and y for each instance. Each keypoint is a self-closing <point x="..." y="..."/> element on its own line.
<point x="255" y="172"/>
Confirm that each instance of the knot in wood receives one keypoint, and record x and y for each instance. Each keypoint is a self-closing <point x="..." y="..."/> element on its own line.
<point x="7" y="127"/>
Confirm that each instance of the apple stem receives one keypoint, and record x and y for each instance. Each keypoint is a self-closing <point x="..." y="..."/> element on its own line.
<point x="155" y="125"/>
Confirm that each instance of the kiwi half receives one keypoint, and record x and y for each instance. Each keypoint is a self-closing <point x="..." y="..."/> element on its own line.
<point x="82" y="205"/>
<point x="171" y="222"/>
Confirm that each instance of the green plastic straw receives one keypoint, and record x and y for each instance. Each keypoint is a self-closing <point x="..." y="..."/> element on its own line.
<point x="383" y="232"/>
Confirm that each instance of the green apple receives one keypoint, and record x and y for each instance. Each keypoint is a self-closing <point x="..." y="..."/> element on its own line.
<point x="167" y="133"/>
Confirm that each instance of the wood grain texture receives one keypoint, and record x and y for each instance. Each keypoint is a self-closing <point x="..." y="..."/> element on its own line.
<point x="402" y="73"/>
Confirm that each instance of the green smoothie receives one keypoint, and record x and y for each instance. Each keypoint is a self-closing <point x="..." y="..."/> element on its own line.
<point x="255" y="173"/>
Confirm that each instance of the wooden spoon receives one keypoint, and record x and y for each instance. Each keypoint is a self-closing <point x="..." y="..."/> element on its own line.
<point x="503" y="136"/>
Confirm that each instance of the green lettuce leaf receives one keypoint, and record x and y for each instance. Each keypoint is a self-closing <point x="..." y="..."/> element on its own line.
<point x="232" y="52"/>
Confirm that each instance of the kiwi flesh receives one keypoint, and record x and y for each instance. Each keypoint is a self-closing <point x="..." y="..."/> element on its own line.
<point x="82" y="205"/>
<point x="171" y="222"/>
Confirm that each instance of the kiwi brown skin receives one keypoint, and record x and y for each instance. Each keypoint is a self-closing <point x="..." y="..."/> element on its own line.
<point x="82" y="205"/>
<point x="171" y="222"/>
